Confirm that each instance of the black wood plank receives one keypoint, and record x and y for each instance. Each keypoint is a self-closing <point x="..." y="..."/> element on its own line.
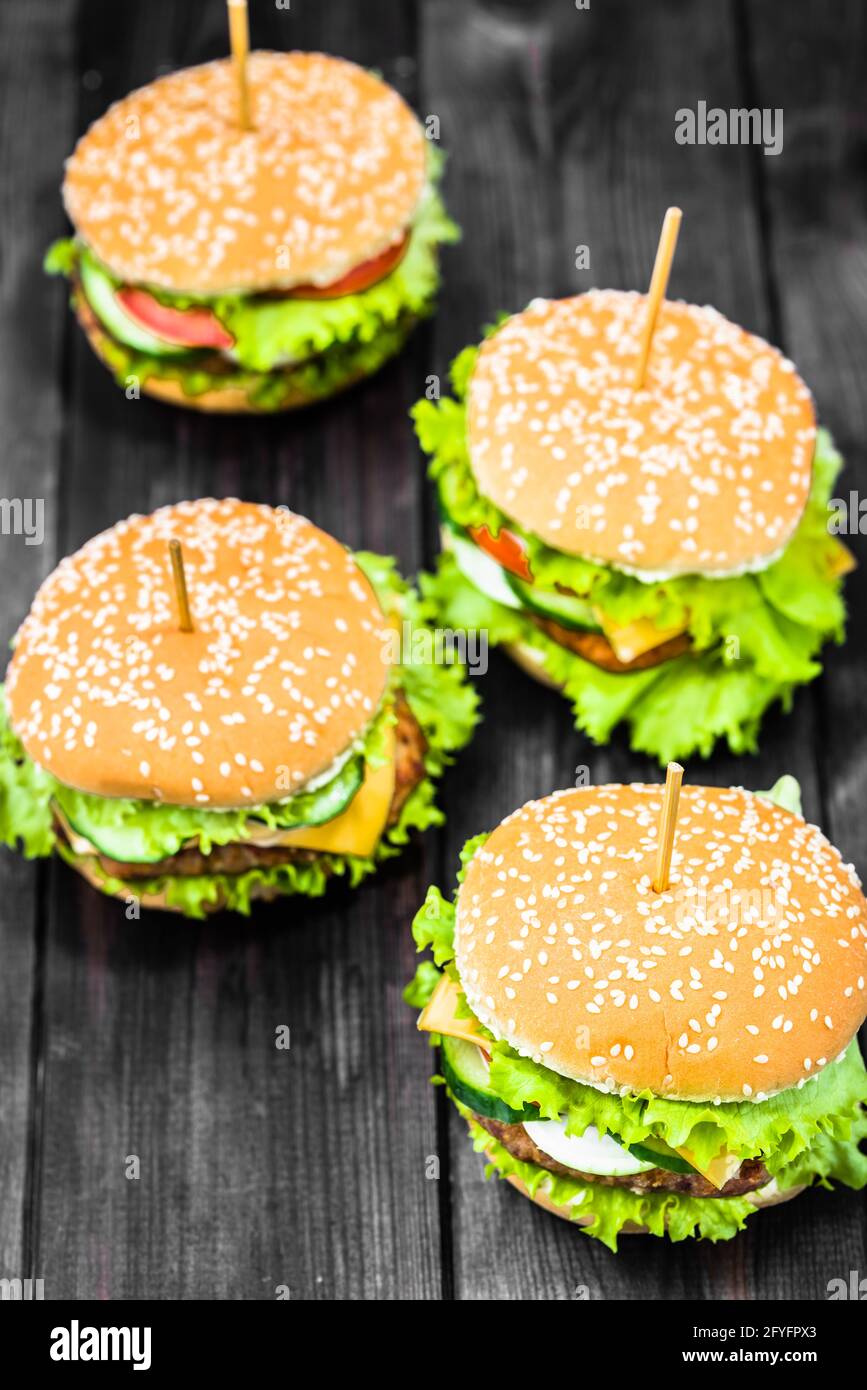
<point x="809" y="62"/>
<point x="36" y="45"/>
<point x="260" y="1168"/>
<point x="483" y="76"/>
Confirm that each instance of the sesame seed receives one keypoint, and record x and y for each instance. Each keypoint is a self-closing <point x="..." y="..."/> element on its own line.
<point x="602" y="442"/>
<point x="253" y="575"/>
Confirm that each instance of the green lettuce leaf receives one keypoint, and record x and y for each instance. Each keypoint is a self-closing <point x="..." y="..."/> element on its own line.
<point x="433" y="927"/>
<point x="425" y="980"/>
<point x="673" y="711"/>
<point x="61" y="258"/>
<point x="434" y="924"/>
<point x="786" y="792"/>
<point x="25" y="796"/>
<point x="828" y="1159"/>
<point x="442" y="700"/>
<point x="754" y="637"/>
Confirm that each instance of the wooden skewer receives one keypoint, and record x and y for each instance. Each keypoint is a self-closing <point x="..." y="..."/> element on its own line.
<point x="239" y="36"/>
<point x="667" y="826"/>
<point x="658" y="286"/>
<point x="184" y="616"/>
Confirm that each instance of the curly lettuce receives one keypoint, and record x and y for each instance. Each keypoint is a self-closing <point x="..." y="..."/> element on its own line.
<point x="754" y="637"/>
<point x="807" y="1133"/>
<point x="440" y="697"/>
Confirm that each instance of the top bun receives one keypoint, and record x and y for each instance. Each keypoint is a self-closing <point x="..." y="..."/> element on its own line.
<point x="168" y="190"/>
<point x="706" y="470"/>
<point x="744" y="978"/>
<point x="286" y="665"/>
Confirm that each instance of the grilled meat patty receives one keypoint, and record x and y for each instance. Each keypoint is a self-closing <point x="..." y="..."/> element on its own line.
<point x="237" y="858"/>
<point x="595" y="647"/>
<point x="751" y="1175"/>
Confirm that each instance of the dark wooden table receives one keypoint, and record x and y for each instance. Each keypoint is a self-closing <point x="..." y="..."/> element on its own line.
<point x="308" y="1168"/>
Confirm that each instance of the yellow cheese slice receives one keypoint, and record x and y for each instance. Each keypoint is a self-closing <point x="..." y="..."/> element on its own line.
<point x="438" y="1014"/>
<point x="630" y="640"/>
<point x="720" y="1169"/>
<point x="358" y="829"/>
<point x="842" y="561"/>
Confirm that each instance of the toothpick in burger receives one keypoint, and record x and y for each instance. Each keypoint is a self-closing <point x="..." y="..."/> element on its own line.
<point x="253" y="269"/>
<point x="207" y="706"/>
<point x="658" y="551"/>
<point x="658" y="1060"/>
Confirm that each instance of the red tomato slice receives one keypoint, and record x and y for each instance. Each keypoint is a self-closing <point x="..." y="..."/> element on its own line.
<point x="194" y="328"/>
<point x="506" y="549"/>
<point x="361" y="278"/>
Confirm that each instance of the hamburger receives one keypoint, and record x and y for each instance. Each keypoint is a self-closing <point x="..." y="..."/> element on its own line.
<point x="641" y="1061"/>
<point x="233" y="269"/>
<point x="661" y="555"/>
<point x="285" y="739"/>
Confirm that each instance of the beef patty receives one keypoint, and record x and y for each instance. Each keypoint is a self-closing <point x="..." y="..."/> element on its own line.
<point x="751" y="1175"/>
<point x="237" y="858"/>
<point x="595" y="647"/>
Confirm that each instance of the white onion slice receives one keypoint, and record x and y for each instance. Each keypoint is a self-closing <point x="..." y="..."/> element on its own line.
<point x="589" y="1152"/>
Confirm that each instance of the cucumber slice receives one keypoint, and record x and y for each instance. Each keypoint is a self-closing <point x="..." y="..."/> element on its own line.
<point x="661" y="1156"/>
<point x="483" y="572"/>
<point x="100" y="296"/>
<point x="327" y="802"/>
<point x="466" y="1075"/>
<point x="129" y="841"/>
<point x="145" y="832"/>
<point x="566" y="609"/>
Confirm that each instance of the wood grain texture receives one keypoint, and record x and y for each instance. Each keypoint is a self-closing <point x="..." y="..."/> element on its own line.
<point x="309" y="1168"/>
<point x="813" y="70"/>
<point x="36" y="55"/>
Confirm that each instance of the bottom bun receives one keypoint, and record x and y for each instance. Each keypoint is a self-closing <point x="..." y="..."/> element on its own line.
<point x="532" y="662"/>
<point x="149" y="900"/>
<point x="541" y="1200"/>
<point x="225" y="400"/>
<point x="153" y="901"/>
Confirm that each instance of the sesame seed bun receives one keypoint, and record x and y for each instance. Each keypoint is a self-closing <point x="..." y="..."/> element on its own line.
<point x="698" y="993"/>
<point x="285" y="667"/>
<point x="532" y="662"/>
<point x="169" y="191"/>
<point x="705" y="470"/>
